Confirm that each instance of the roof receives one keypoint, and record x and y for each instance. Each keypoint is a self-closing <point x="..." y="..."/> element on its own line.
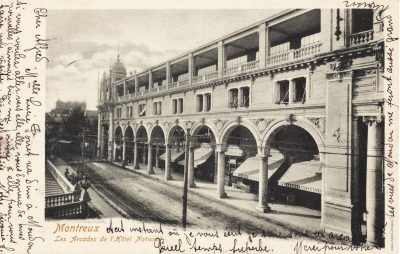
<point x="306" y="175"/>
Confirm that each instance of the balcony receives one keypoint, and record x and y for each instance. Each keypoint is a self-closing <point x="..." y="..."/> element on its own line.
<point x="205" y="77"/>
<point x="361" y="37"/>
<point x="241" y="68"/>
<point x="295" y="54"/>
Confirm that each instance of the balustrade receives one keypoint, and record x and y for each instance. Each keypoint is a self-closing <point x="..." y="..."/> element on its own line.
<point x="362" y="37"/>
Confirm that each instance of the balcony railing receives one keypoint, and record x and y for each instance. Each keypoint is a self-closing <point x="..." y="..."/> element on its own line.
<point x="294" y="54"/>
<point x="205" y="77"/>
<point x="362" y="37"/>
<point x="242" y="67"/>
<point x="184" y="82"/>
<point x="61" y="199"/>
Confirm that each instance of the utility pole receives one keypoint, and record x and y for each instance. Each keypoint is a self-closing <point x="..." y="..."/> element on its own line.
<point x="185" y="182"/>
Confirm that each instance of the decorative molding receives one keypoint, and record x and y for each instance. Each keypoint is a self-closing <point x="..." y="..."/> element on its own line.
<point x="219" y="124"/>
<point x="338" y="32"/>
<point x="319" y="122"/>
<point x="341" y="63"/>
<point x="188" y="124"/>
<point x="262" y="123"/>
<point x="167" y="124"/>
<point x="370" y="120"/>
<point x="365" y="72"/>
<point x="332" y="76"/>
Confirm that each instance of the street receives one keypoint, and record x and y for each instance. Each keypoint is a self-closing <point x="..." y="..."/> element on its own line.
<point x="147" y="199"/>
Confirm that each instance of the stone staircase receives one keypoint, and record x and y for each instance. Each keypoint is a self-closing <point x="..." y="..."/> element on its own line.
<point x="52" y="187"/>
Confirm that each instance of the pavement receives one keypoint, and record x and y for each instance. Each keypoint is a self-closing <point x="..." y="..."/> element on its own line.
<point x="104" y="207"/>
<point x="295" y="217"/>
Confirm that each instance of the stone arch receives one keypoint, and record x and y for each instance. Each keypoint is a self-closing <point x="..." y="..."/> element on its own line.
<point x="141" y="128"/>
<point x="275" y="126"/>
<point x="229" y="127"/>
<point x="198" y="125"/>
<point x="154" y="127"/>
<point x="171" y="131"/>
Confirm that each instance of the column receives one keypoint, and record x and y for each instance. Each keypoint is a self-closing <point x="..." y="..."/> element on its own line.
<point x="221" y="173"/>
<point x="124" y="87"/>
<point x="103" y="136"/>
<point x="168" y="175"/>
<point x="150" y="80"/>
<point x="215" y="166"/>
<point x="190" y="66"/>
<point x="374" y="194"/>
<point x="221" y="59"/>
<point x="123" y="148"/>
<point x="111" y="136"/>
<point x="262" y="44"/>
<point x="150" y="159"/>
<point x="136" y="84"/>
<point x="135" y="154"/>
<point x="99" y="139"/>
<point x="263" y="184"/>
<point x="157" y="153"/>
<point x="144" y="153"/>
<point x="168" y="74"/>
<point x="191" y="167"/>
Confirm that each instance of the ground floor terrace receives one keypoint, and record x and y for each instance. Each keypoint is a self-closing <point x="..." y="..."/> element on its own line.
<point x="266" y="164"/>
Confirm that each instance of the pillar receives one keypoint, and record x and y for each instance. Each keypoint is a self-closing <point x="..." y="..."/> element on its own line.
<point x="150" y="80"/>
<point x="135" y="154"/>
<point x="191" y="167"/>
<point x="221" y="59"/>
<point x="150" y="159"/>
<point x="103" y="137"/>
<point x="157" y="153"/>
<point x="136" y="84"/>
<point x="190" y="67"/>
<point x="262" y="44"/>
<point x="111" y="136"/>
<point x="125" y="87"/>
<point x="168" y="175"/>
<point x="144" y="156"/>
<point x="215" y="166"/>
<point x="221" y="173"/>
<point x="374" y="194"/>
<point x="99" y="139"/>
<point x="291" y="90"/>
<point x="123" y="148"/>
<point x="263" y="184"/>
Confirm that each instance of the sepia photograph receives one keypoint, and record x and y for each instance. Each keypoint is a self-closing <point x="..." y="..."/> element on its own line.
<point x="267" y="120"/>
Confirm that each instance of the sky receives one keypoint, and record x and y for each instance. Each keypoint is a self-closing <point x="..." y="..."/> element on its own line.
<point x="145" y="38"/>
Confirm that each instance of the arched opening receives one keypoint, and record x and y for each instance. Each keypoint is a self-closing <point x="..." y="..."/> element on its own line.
<point x="118" y="142"/>
<point x="299" y="180"/>
<point x="141" y="138"/>
<point x="129" y="145"/>
<point x="240" y="163"/>
<point x="205" y="159"/>
<point x="157" y="139"/>
<point x="176" y="140"/>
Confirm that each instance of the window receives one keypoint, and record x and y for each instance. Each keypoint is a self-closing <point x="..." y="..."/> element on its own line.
<point x="362" y="20"/>
<point x="127" y="111"/>
<point x="283" y="92"/>
<point x="208" y="102"/>
<point x="299" y="90"/>
<point x="199" y="102"/>
<point x="174" y="106"/>
<point x="233" y="98"/>
<point x="118" y="112"/>
<point x="142" y="109"/>
<point x="131" y="111"/>
<point x="180" y="105"/>
<point x="157" y="108"/>
<point x="245" y="96"/>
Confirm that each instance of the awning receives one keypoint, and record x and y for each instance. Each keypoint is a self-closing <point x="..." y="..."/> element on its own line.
<point x="249" y="169"/>
<point x="306" y="175"/>
<point x="201" y="154"/>
<point x="174" y="155"/>
<point x="233" y="150"/>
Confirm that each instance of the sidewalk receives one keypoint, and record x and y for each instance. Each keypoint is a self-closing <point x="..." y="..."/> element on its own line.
<point x="295" y="217"/>
<point x="98" y="203"/>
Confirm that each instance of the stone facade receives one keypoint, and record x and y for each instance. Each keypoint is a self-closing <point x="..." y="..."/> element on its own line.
<point x="327" y="82"/>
